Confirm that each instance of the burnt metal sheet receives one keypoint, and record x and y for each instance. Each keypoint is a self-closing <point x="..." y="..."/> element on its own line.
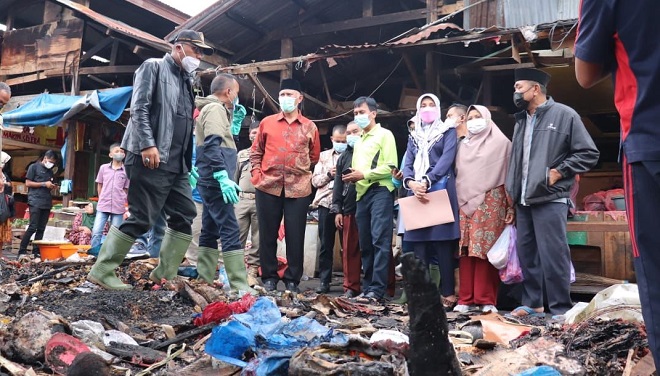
<point x="117" y="26"/>
<point x="45" y="48"/>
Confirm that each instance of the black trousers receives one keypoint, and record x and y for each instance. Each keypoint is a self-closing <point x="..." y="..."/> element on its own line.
<point x="327" y="231"/>
<point x="545" y="258"/>
<point x="270" y="210"/>
<point x="37" y="226"/>
<point x="150" y="192"/>
<point x="642" y="185"/>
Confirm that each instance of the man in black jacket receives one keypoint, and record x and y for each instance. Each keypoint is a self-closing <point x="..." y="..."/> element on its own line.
<point x="158" y="144"/>
<point x="343" y="207"/>
<point x="550" y="147"/>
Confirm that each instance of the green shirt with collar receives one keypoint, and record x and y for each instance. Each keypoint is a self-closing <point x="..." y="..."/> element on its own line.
<point x="372" y="156"/>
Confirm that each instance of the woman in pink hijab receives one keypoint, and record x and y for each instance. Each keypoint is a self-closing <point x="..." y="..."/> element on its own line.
<point x="481" y="164"/>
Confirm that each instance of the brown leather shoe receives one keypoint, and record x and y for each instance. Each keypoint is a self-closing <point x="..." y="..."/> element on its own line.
<point x="253" y="275"/>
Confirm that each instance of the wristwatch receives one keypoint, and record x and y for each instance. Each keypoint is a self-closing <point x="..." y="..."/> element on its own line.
<point x="43" y="184"/>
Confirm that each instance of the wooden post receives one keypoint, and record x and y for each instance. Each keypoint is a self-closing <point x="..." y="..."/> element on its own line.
<point x="367" y="8"/>
<point x="287" y="52"/>
<point x="487" y="89"/>
<point x="411" y="69"/>
<point x="325" y="84"/>
<point x="432" y="8"/>
<point x="430" y="77"/>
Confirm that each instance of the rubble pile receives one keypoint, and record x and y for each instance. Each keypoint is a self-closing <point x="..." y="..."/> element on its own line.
<point x="54" y="322"/>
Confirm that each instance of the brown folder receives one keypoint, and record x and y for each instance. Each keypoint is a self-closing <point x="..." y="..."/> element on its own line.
<point x="435" y="211"/>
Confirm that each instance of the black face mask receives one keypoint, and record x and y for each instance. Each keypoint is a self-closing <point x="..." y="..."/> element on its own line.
<point x="519" y="100"/>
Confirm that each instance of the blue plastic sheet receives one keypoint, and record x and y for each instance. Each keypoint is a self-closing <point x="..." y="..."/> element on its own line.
<point x="540" y="371"/>
<point x="263" y="318"/>
<point x="229" y="342"/>
<point x="300" y="332"/>
<point x="262" y="330"/>
<point x="51" y="109"/>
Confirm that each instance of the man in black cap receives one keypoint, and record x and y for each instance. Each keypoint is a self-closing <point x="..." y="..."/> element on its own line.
<point x="550" y="147"/>
<point x="158" y="145"/>
<point x="282" y="155"/>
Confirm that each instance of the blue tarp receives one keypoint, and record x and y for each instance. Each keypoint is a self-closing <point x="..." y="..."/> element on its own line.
<point x="52" y="109"/>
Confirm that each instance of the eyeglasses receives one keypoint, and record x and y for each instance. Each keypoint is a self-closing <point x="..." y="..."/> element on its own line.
<point x="195" y="49"/>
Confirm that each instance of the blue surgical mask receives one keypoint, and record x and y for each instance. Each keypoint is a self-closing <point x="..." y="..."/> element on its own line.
<point x="352" y="139"/>
<point x="362" y="120"/>
<point x="339" y="147"/>
<point x="287" y="104"/>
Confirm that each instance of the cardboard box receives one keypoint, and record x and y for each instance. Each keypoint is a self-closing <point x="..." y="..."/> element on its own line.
<point x="19" y="187"/>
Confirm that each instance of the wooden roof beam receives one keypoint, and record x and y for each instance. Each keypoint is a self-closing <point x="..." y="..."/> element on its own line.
<point x="245" y="23"/>
<point x="355" y="23"/>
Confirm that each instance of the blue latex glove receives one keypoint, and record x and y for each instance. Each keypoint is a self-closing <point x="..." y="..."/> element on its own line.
<point x="239" y="115"/>
<point x="193" y="176"/>
<point x="229" y="188"/>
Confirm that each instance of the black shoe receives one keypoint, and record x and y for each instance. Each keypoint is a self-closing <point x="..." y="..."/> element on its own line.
<point x="270" y="285"/>
<point x="292" y="286"/>
<point x="324" y="288"/>
<point x="350" y="294"/>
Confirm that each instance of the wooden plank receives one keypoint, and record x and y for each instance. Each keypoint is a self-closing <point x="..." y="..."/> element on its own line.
<point x="286" y="51"/>
<point x="96" y="49"/>
<point x="597" y="226"/>
<point x="161" y="9"/>
<point x="506" y="67"/>
<point x="615" y="255"/>
<point x="25" y="79"/>
<point x="118" y="69"/>
<point x="320" y="103"/>
<point x="247" y="69"/>
<point x="114" y="52"/>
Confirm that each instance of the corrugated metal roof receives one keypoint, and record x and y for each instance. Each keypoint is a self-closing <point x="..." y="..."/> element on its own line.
<point x="525" y="12"/>
<point x="117" y="26"/>
<point x="517" y="13"/>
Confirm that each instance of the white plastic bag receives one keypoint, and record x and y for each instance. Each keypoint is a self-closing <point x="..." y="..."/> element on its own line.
<point x="499" y="252"/>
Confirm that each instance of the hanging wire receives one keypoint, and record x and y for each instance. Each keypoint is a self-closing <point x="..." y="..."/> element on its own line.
<point x="551" y="36"/>
<point x="349" y="111"/>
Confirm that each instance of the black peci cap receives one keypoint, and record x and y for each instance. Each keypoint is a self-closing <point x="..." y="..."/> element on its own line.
<point x="531" y="74"/>
<point x="290" y="84"/>
<point x="194" y="38"/>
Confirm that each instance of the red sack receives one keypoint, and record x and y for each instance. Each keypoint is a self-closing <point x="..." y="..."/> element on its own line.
<point x="595" y="202"/>
<point x="216" y="312"/>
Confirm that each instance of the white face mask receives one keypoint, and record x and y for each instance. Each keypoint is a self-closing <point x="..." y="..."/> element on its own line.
<point x="450" y="122"/>
<point x="49" y="165"/>
<point x="475" y="126"/>
<point x="189" y="63"/>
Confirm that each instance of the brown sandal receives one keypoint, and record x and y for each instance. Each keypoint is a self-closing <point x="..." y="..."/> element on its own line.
<point x="449" y="302"/>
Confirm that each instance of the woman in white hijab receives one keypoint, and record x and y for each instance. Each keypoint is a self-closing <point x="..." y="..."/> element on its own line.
<point x="481" y="165"/>
<point x="430" y="163"/>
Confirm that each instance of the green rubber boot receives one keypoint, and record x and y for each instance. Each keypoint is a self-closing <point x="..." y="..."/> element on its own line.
<point x="111" y="255"/>
<point x="403" y="299"/>
<point x="172" y="250"/>
<point x="236" y="272"/>
<point x="434" y="272"/>
<point x="207" y="264"/>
